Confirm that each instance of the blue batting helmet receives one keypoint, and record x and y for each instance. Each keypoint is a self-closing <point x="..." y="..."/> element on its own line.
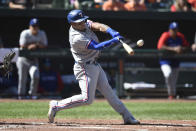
<point x="76" y="16"/>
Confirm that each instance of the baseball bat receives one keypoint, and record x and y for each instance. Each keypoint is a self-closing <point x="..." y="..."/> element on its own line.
<point x="129" y="50"/>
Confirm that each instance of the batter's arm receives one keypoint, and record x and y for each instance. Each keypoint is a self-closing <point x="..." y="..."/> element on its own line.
<point x="99" y="46"/>
<point x="95" y="26"/>
<point x="104" y="28"/>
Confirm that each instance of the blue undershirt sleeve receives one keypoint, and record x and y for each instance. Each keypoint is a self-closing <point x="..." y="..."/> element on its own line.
<point x="99" y="46"/>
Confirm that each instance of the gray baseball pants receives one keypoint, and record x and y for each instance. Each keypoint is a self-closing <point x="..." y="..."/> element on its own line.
<point x="92" y="77"/>
<point x="26" y="66"/>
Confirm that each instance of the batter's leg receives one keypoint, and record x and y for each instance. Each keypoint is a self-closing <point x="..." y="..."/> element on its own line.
<point x="104" y="87"/>
<point x="34" y="74"/>
<point x="87" y="77"/>
<point x="22" y="76"/>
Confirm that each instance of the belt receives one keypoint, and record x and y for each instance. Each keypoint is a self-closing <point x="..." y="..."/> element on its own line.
<point x="88" y="62"/>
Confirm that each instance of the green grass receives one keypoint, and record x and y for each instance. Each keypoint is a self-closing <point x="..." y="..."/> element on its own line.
<point x="101" y="110"/>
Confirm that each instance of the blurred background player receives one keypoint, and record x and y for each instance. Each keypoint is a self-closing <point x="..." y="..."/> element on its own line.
<point x="50" y="81"/>
<point x="179" y="5"/>
<point x="172" y="41"/>
<point x="135" y="5"/>
<point x="159" y="5"/>
<point x="113" y="5"/>
<point x="30" y="39"/>
<point x="82" y="4"/>
<point x="21" y="4"/>
<point x="193" y="5"/>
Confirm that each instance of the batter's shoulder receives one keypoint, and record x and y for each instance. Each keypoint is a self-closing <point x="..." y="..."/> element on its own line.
<point x="76" y="38"/>
<point x="73" y="32"/>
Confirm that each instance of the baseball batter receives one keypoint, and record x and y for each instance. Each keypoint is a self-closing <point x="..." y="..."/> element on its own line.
<point x="30" y="39"/>
<point x="85" y="48"/>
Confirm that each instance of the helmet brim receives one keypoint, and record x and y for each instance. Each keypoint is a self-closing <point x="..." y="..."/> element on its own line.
<point x="80" y="20"/>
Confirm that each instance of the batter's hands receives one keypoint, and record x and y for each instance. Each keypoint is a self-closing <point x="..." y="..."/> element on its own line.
<point x="112" y="32"/>
<point x="116" y="39"/>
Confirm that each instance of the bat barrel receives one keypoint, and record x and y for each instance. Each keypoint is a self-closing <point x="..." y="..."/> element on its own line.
<point x="127" y="47"/>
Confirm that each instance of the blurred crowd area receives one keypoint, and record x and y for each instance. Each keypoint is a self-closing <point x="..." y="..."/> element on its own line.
<point x="104" y="5"/>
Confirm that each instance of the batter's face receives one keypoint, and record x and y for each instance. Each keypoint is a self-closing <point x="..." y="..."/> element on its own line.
<point x="34" y="29"/>
<point x="79" y="26"/>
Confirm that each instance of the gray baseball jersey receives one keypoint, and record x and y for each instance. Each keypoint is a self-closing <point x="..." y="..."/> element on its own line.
<point x="90" y="76"/>
<point x="79" y="41"/>
<point x="26" y="37"/>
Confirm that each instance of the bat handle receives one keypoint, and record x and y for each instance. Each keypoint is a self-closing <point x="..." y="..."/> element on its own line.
<point x="119" y="39"/>
<point x="127" y="47"/>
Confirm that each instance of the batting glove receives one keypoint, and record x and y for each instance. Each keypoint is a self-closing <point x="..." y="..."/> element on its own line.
<point x="116" y="39"/>
<point x="112" y="32"/>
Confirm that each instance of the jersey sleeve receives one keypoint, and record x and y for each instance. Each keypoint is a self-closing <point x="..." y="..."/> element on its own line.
<point x="162" y="40"/>
<point x="44" y="39"/>
<point x="184" y="41"/>
<point x="81" y="43"/>
<point x="23" y="38"/>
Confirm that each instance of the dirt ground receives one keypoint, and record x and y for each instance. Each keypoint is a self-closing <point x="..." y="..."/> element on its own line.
<point x="94" y="124"/>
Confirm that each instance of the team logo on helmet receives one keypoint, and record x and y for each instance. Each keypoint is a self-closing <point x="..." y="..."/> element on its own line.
<point x="80" y="14"/>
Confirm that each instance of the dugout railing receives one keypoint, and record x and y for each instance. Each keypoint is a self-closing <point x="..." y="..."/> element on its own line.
<point x="148" y="73"/>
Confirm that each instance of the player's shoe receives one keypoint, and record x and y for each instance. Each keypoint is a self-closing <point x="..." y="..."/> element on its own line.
<point x="52" y="111"/>
<point x="130" y="121"/>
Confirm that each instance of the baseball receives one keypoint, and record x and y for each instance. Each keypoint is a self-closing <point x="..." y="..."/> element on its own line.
<point x="140" y="42"/>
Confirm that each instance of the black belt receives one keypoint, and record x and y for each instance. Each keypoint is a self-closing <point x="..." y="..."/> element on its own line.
<point x="88" y="62"/>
